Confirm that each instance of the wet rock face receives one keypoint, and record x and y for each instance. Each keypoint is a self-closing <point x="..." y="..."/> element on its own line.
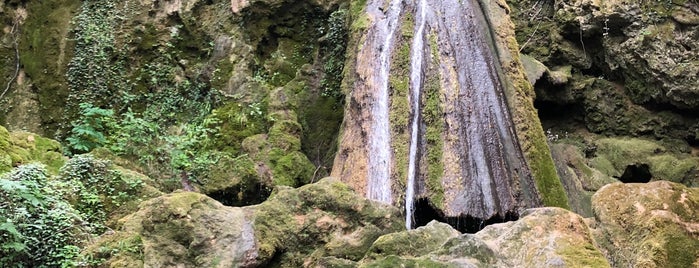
<point x="648" y="225"/>
<point x="438" y="78"/>
<point x="656" y="53"/>
<point x="633" y="64"/>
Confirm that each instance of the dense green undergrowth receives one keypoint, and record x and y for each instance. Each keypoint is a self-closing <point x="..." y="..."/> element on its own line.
<point x="46" y="219"/>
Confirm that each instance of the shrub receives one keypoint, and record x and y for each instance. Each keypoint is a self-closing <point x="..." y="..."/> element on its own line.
<point x="37" y="229"/>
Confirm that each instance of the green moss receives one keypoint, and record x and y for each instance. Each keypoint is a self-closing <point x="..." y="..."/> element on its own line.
<point x="18" y="148"/>
<point x="399" y="109"/>
<point x="293" y="169"/>
<point x="682" y="250"/>
<point x="4" y="139"/>
<point x="582" y="256"/>
<point x="45" y="50"/>
<point x="432" y="116"/>
<point x="614" y="155"/>
<point x="547" y="181"/>
<point x="285" y="135"/>
<point x="395" y="261"/>
<point x="237" y="121"/>
<point x="535" y="148"/>
<point x="668" y="167"/>
<point x="412" y="243"/>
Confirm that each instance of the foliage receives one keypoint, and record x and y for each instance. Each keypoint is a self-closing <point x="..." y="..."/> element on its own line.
<point x="37" y="229"/>
<point x="96" y="190"/>
<point x="92" y="73"/>
<point x="235" y="122"/>
<point x="136" y="110"/>
<point x="334" y="51"/>
<point x="89" y="130"/>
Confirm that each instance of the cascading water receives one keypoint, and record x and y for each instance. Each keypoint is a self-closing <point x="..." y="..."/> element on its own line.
<point x="463" y="157"/>
<point x="379" y="181"/>
<point x="416" y="60"/>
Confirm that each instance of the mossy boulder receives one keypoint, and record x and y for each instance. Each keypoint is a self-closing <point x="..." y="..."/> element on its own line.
<point x="618" y="157"/>
<point x="17" y="148"/>
<point x="323" y="219"/>
<point x="544" y="237"/>
<point x="317" y="223"/>
<point x="293" y="169"/>
<point x="235" y="181"/>
<point x="182" y="228"/>
<point x="648" y="225"/>
<point x="412" y="243"/>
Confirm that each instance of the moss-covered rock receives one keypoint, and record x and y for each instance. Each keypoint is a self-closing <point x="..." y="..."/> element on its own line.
<point x="579" y="179"/>
<point x="543" y="237"/>
<point x="616" y="157"/>
<point x="520" y="95"/>
<point x="317" y="223"/>
<point x="17" y="148"/>
<point x="412" y="243"/>
<point x="235" y="181"/>
<point x="45" y="48"/>
<point x="299" y="226"/>
<point x="648" y="225"/>
<point x="182" y="228"/>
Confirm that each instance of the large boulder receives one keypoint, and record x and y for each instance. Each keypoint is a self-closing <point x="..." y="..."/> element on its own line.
<point x="323" y="220"/>
<point x="544" y="237"/>
<point x="648" y="225"/>
<point x="315" y="223"/>
<point x="641" y="160"/>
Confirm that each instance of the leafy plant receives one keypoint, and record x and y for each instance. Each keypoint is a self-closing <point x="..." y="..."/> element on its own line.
<point x="334" y="50"/>
<point x="90" y="130"/>
<point x="37" y="229"/>
<point x="95" y="189"/>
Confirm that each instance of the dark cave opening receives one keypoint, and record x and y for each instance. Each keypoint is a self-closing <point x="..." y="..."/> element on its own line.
<point x="554" y="114"/>
<point x="636" y="173"/>
<point x="425" y="213"/>
<point x="238" y="196"/>
<point x="692" y="140"/>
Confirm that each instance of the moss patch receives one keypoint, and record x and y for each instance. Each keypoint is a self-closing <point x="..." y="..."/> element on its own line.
<point x="45" y="50"/>
<point x="18" y="148"/>
<point x="614" y="155"/>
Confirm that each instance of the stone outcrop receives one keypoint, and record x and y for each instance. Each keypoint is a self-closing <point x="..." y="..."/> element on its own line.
<point x="19" y="147"/>
<point x="326" y="224"/>
<point x="632" y="67"/>
<point x="648" y="225"/>
<point x="543" y="237"/>
<point x="317" y="222"/>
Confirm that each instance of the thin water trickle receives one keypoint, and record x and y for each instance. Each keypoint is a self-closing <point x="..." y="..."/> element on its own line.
<point x="417" y="55"/>
<point x="379" y="182"/>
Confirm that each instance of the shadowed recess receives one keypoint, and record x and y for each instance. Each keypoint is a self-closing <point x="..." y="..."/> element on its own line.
<point x="425" y="212"/>
<point x="636" y="173"/>
<point x="239" y="196"/>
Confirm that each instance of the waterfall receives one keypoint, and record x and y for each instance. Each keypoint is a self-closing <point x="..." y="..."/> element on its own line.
<point x="454" y="126"/>
<point x="416" y="60"/>
<point x="379" y="181"/>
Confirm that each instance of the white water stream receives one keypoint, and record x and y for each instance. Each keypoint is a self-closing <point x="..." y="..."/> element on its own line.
<point x="379" y="182"/>
<point x="417" y="55"/>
